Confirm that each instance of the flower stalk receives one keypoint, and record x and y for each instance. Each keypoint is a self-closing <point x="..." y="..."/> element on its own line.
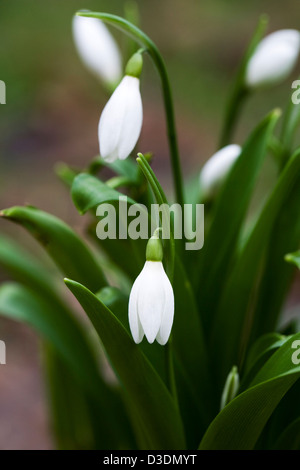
<point x="140" y="37"/>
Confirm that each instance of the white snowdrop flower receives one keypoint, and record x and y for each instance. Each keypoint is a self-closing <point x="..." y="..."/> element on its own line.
<point x="97" y="49"/>
<point x="121" y="120"/>
<point x="216" y="169"/>
<point x="273" y="59"/>
<point x="151" y="302"/>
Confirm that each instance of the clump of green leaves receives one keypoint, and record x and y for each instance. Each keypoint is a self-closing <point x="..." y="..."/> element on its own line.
<point x="229" y="298"/>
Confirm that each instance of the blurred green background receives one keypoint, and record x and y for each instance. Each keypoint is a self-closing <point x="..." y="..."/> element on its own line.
<point x="52" y="112"/>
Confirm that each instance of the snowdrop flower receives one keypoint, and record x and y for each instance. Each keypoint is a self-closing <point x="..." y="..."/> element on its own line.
<point x="274" y="59"/>
<point x="151" y="302"/>
<point x="121" y="120"/>
<point x="98" y="49"/>
<point x="216" y="169"/>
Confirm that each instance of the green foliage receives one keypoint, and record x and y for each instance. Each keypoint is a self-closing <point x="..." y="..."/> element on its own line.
<point x="105" y="391"/>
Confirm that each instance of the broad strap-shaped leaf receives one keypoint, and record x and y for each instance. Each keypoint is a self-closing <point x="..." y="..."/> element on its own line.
<point x="234" y="315"/>
<point x="61" y="330"/>
<point x="65" y="335"/>
<point x="31" y="273"/>
<point x="239" y="425"/>
<point x="69" y="410"/>
<point x="147" y="394"/>
<point x="127" y="168"/>
<point x="290" y="437"/>
<point x="278" y="274"/>
<point x="63" y="245"/>
<point x="194" y="381"/>
<point x="116" y="301"/>
<point x="88" y="192"/>
<point x="258" y="355"/>
<point x="228" y="216"/>
<point x="25" y="268"/>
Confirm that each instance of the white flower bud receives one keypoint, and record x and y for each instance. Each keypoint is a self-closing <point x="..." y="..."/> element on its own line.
<point x="121" y="121"/>
<point x="273" y="59"/>
<point x="98" y="49"/>
<point x="231" y="387"/>
<point x="151" y="304"/>
<point x="216" y="169"/>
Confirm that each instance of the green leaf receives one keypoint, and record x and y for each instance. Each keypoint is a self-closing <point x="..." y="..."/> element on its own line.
<point x="88" y="192"/>
<point x="147" y="394"/>
<point x="258" y="355"/>
<point x="69" y="414"/>
<point x="231" y="205"/>
<point x="278" y="275"/>
<point x="65" y="334"/>
<point x="117" y="302"/>
<point x="290" y="437"/>
<point x="293" y="258"/>
<point x="239" y="425"/>
<point x="239" y="90"/>
<point x="26" y="268"/>
<point x="66" y="173"/>
<point x="234" y="314"/>
<point x="62" y="244"/>
<point x="127" y="168"/>
<point x="193" y="379"/>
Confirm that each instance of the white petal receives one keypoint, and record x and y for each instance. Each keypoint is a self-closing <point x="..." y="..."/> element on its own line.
<point x="217" y="168"/>
<point x="121" y="121"/>
<point x="273" y="59"/>
<point x="97" y="48"/>
<point x="151" y="299"/>
<point x="111" y="122"/>
<point x="134" y="321"/>
<point x="133" y="119"/>
<point x="168" y="313"/>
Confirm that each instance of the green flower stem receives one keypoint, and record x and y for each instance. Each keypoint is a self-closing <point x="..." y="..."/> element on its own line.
<point x="239" y="91"/>
<point x="140" y="37"/>
<point x="232" y="114"/>
<point x="161" y="199"/>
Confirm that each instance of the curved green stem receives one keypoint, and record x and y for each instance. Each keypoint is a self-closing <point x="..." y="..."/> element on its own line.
<point x="140" y="37"/>
<point x="239" y="91"/>
<point x="161" y="200"/>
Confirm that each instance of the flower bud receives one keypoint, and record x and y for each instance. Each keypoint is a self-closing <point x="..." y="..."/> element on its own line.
<point x="98" y="49"/>
<point x="216" y="169"/>
<point x="273" y="59"/>
<point x="151" y="301"/>
<point x="121" y="120"/>
<point x="231" y="387"/>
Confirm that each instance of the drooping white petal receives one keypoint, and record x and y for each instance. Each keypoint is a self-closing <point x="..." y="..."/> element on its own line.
<point x="121" y="121"/>
<point x="274" y="59"/>
<point x="97" y="48"/>
<point x="111" y="121"/>
<point x="131" y="129"/>
<point x="134" y="321"/>
<point x="168" y="313"/>
<point x="216" y="169"/>
<point x="151" y="299"/>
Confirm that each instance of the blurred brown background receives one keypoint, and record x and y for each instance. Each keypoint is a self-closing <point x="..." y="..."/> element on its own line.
<point x="52" y="112"/>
